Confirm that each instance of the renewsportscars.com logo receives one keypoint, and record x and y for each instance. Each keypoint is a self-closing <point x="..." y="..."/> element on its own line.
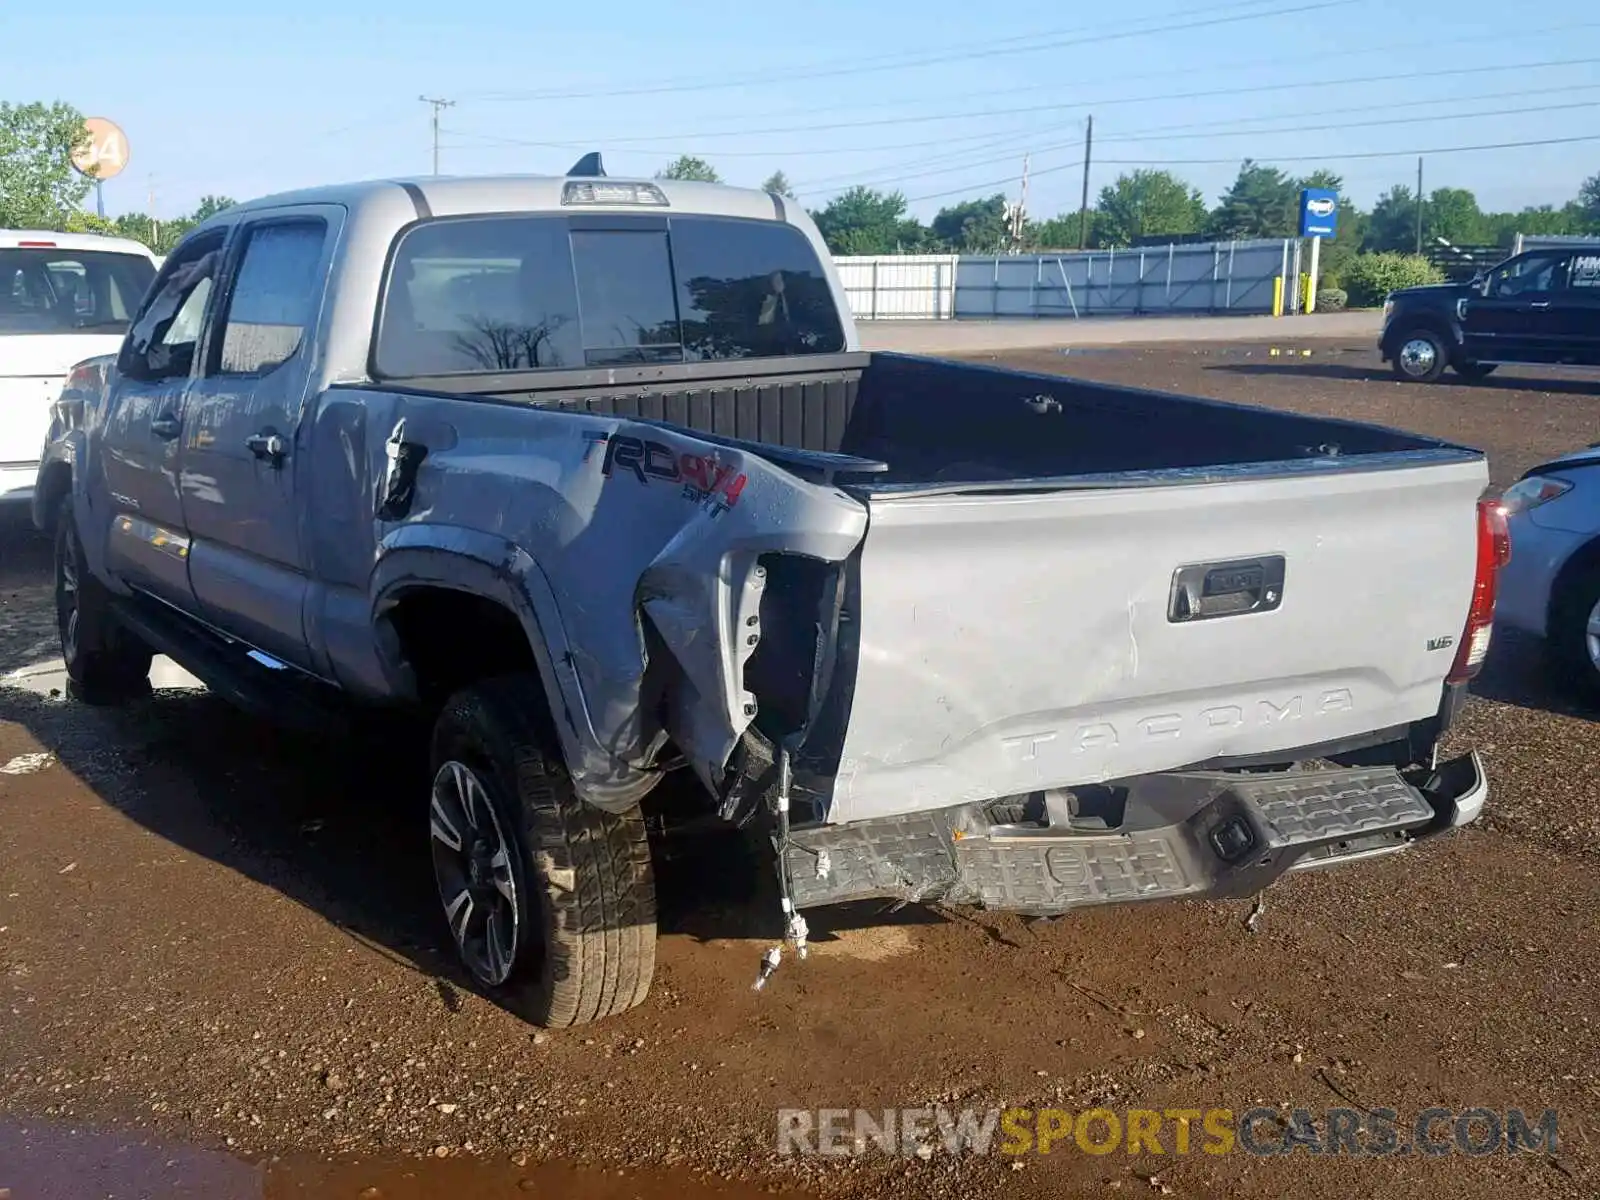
<point x="1379" y="1132"/>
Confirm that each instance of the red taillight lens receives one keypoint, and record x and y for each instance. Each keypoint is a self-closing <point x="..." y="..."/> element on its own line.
<point x="82" y="377"/>
<point x="1494" y="552"/>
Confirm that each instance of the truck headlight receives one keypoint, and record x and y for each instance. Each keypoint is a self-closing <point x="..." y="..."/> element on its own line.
<point x="1388" y="307"/>
<point x="1532" y="492"/>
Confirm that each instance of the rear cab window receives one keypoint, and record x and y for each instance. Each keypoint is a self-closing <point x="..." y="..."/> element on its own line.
<point x="47" y="290"/>
<point x="561" y="292"/>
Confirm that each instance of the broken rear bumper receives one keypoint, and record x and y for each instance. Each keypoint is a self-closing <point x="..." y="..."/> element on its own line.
<point x="1180" y="835"/>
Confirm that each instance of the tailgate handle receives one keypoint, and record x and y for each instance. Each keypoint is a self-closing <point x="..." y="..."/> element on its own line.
<point x="1205" y="591"/>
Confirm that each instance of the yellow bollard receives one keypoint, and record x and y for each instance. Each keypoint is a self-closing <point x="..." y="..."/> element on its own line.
<point x="1277" y="295"/>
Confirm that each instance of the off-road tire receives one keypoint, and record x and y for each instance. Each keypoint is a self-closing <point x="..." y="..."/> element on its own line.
<point x="585" y="883"/>
<point x="1566" y="635"/>
<point x="106" y="664"/>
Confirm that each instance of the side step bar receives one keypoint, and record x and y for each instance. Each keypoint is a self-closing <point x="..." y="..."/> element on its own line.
<point x="238" y="673"/>
<point x="1182" y="835"/>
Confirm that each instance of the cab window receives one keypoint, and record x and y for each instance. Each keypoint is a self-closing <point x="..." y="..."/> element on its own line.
<point x="1532" y="274"/>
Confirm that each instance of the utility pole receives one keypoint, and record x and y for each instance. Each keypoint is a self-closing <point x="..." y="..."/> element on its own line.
<point x="1019" y="219"/>
<point x="437" y="106"/>
<point x="1419" y="204"/>
<point x="1083" y="211"/>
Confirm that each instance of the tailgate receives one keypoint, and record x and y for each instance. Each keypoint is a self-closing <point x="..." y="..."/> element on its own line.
<point x="1015" y="642"/>
<point x="25" y="416"/>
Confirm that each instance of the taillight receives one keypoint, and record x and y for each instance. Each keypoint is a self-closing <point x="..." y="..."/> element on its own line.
<point x="1494" y="552"/>
<point x="83" y="376"/>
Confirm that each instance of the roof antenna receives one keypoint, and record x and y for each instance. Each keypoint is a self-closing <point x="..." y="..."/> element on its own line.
<point x="589" y="165"/>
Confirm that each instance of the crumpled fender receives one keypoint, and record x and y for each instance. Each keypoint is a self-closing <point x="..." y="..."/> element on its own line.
<point x="630" y="551"/>
<point x="702" y="593"/>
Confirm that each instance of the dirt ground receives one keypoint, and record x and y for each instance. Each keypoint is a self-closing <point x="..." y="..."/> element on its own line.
<point x="219" y="947"/>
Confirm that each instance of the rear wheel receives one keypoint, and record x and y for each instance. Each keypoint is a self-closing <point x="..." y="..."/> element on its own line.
<point x="1474" y="371"/>
<point x="1420" y="356"/>
<point x="105" y="663"/>
<point x="550" y="902"/>
<point x="1573" y="637"/>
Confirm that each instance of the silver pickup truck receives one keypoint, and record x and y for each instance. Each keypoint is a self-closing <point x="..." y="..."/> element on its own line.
<point x="593" y="473"/>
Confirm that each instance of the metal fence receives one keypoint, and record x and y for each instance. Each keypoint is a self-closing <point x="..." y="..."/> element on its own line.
<point x="1213" y="277"/>
<point x="917" y="287"/>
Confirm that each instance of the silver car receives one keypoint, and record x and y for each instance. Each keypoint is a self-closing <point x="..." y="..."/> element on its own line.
<point x="1551" y="586"/>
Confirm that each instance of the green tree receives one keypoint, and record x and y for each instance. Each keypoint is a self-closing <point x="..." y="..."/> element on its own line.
<point x="973" y="226"/>
<point x="864" y="221"/>
<point x="1453" y="214"/>
<point x="1548" y="219"/>
<point x="1263" y="202"/>
<point x="160" y="236"/>
<point x="1061" y="232"/>
<point x="210" y="206"/>
<point x="1393" y="224"/>
<point x="38" y="187"/>
<point x="1588" y="203"/>
<point x="1147" y="204"/>
<point x="778" y="184"/>
<point x="686" y="166"/>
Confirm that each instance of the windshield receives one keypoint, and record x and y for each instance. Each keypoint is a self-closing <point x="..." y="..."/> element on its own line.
<point x="47" y="290"/>
<point x="488" y="294"/>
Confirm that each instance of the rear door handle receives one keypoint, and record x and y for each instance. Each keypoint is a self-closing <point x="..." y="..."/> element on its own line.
<point x="166" y="426"/>
<point x="268" y="446"/>
<point x="1540" y="304"/>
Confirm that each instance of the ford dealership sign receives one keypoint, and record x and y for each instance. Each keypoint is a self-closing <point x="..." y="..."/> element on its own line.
<point x="1319" y="212"/>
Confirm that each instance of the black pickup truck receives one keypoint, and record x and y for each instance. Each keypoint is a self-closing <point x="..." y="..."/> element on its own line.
<point x="1539" y="307"/>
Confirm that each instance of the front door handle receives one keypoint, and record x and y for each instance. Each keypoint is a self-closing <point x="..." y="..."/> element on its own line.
<point x="268" y="446"/>
<point x="166" y="426"/>
<point x="1540" y="304"/>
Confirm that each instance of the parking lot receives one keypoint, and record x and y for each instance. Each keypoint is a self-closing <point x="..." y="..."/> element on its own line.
<point x="225" y="939"/>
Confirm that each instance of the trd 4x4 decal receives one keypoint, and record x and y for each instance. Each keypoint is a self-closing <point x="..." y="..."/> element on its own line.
<point x="706" y="482"/>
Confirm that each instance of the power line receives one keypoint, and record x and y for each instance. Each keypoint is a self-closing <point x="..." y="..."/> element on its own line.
<point x="1032" y="44"/>
<point x="888" y="173"/>
<point x="1165" y="133"/>
<point x="1094" y="103"/>
<point x="1280" y="158"/>
<point x="1206" y="68"/>
<point x="1182" y="162"/>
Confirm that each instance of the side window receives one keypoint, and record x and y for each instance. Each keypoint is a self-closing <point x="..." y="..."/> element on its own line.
<point x="751" y="289"/>
<point x="274" y="298"/>
<point x="1534" y="274"/>
<point x="161" y="344"/>
<point x="480" y="294"/>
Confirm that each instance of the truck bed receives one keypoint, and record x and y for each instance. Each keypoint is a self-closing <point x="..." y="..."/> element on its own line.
<point x="1041" y="582"/>
<point x="931" y="420"/>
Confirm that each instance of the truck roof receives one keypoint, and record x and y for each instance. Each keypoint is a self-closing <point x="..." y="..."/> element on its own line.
<point x="460" y="195"/>
<point x="13" y="239"/>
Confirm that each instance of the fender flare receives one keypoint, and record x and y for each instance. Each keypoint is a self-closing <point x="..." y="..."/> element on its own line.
<point x="496" y="569"/>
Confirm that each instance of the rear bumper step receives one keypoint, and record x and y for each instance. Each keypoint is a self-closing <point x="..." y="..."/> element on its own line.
<point x="1182" y="835"/>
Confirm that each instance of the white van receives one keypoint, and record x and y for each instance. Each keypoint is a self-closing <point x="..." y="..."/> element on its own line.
<point x="64" y="297"/>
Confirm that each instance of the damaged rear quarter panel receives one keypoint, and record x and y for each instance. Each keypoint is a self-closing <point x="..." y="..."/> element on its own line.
<point x="629" y="525"/>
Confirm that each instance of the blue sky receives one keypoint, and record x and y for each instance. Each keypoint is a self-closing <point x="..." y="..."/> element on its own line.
<point x="939" y="99"/>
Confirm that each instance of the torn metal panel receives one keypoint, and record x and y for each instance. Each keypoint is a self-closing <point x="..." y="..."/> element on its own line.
<point x="619" y="538"/>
